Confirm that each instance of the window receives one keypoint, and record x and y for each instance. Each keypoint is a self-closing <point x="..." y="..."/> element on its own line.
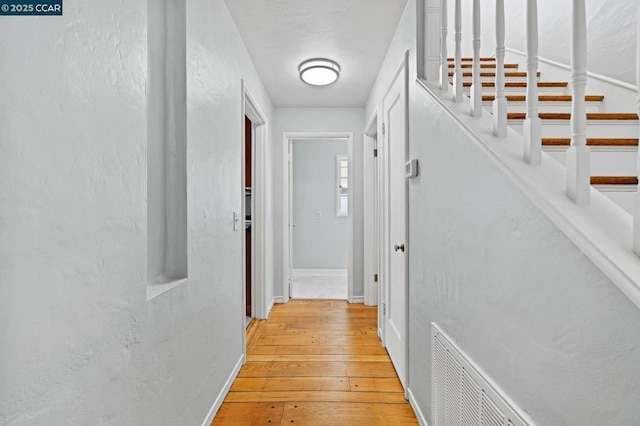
<point x="342" y="186"/>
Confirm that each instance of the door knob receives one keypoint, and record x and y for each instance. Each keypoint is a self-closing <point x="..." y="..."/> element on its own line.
<point x="399" y="247"/>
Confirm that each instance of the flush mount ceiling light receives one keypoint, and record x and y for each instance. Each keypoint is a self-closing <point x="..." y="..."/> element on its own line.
<point x="319" y="72"/>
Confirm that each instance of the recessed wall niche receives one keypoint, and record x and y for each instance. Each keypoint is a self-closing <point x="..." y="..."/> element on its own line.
<point x="166" y="142"/>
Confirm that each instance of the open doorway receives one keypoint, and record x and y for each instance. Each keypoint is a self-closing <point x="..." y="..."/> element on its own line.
<point x="320" y="209"/>
<point x="318" y="237"/>
<point x="251" y="221"/>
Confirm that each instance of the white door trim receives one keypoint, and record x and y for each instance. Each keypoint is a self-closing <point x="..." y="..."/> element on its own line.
<point x="287" y="139"/>
<point x="371" y="212"/>
<point x="260" y="125"/>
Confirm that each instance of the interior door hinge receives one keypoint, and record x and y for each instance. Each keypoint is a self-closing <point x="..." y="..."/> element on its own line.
<point x="375" y="278"/>
<point x="384" y="130"/>
<point x="375" y="152"/>
<point x="384" y="309"/>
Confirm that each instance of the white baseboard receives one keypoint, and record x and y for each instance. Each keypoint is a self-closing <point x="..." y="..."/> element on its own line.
<point x="223" y="392"/>
<point x="316" y="272"/>
<point x="277" y="299"/>
<point x="416" y="409"/>
<point x="269" y="308"/>
<point x="357" y="299"/>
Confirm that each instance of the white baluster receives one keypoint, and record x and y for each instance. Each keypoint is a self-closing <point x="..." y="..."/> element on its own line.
<point x="532" y="130"/>
<point x="500" y="103"/>
<point x="444" y="63"/>
<point x="476" y="86"/>
<point x="457" y="74"/>
<point x="579" y="154"/>
<point x="636" y="198"/>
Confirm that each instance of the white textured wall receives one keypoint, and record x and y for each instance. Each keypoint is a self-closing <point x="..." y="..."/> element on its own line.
<point x="505" y="283"/>
<point x="322" y="120"/>
<point x="612" y="31"/>
<point x="318" y="243"/>
<point x="80" y="343"/>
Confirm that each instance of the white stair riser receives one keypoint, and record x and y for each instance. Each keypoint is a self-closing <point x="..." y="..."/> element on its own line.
<point x="604" y="162"/>
<point x="621" y="196"/>
<point x="595" y="128"/>
<point x="547" y="106"/>
<point x="490" y="79"/>
<point x="522" y="90"/>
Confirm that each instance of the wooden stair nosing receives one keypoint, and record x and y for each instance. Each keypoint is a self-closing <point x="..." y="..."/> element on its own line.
<point x="607" y="116"/>
<point x="545" y="98"/>
<point x="614" y="180"/>
<point x="506" y="66"/>
<point x="591" y="142"/>
<point x="523" y="84"/>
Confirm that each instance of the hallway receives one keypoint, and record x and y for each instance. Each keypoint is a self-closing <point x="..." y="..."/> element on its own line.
<point x="317" y="363"/>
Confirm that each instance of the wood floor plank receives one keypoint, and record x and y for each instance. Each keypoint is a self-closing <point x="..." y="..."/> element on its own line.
<point x="318" y="396"/>
<point x="331" y="413"/>
<point x="311" y="369"/>
<point x="318" y="332"/>
<point x="317" y="363"/>
<point x="253" y="384"/>
<point x="368" y="384"/>
<point x="308" y="358"/>
<point x="318" y="350"/>
<point x="242" y="414"/>
<point x="265" y="340"/>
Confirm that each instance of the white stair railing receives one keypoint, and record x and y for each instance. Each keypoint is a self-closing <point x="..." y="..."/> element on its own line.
<point x="476" y="85"/>
<point x="500" y="102"/>
<point x="636" y="197"/>
<point x="532" y="130"/>
<point x="458" y="76"/>
<point x="444" y="61"/>
<point x="578" y="154"/>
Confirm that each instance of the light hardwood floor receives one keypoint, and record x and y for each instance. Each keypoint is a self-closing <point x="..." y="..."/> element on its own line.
<point x="316" y="362"/>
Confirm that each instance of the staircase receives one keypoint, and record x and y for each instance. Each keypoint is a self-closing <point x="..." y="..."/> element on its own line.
<point x="612" y="136"/>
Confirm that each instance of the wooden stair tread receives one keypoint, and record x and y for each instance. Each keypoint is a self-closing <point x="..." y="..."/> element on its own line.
<point x="567" y="116"/>
<point x="591" y="142"/>
<point x="614" y="180"/>
<point x="482" y="59"/>
<point x="484" y="65"/>
<point x="545" y="98"/>
<point x="493" y="74"/>
<point x="523" y="84"/>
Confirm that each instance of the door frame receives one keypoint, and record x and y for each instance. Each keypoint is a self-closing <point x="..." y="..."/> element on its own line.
<point x="260" y="129"/>
<point x="287" y="140"/>
<point x="372" y="212"/>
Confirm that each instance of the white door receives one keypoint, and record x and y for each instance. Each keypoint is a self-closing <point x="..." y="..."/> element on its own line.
<point x="395" y="312"/>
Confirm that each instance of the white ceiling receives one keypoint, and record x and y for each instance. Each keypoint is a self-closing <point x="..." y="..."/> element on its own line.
<point x="280" y="34"/>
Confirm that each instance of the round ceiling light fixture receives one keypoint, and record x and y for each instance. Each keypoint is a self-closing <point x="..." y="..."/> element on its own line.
<point x="319" y="71"/>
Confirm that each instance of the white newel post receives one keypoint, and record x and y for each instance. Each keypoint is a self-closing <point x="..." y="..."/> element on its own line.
<point x="444" y="63"/>
<point x="500" y="102"/>
<point x="532" y="124"/>
<point x="578" y="155"/>
<point x="458" y="77"/>
<point x="476" y="86"/>
<point x="636" y="199"/>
